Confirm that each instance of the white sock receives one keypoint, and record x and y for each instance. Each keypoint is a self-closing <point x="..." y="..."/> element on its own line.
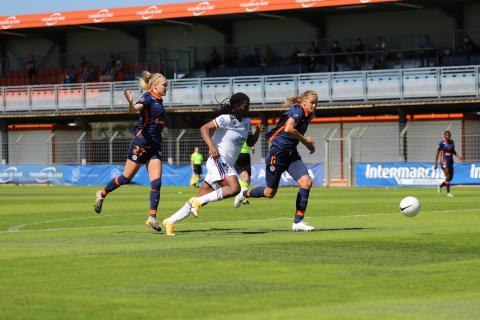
<point x="181" y="214"/>
<point x="210" y="197"/>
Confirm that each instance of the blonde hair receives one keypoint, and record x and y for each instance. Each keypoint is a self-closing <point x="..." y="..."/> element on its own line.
<point x="148" y="79"/>
<point x="299" y="99"/>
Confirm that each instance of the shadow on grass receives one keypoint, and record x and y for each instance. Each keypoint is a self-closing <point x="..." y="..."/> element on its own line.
<point x="237" y="231"/>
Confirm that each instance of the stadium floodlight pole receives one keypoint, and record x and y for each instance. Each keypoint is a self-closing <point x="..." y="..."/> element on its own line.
<point x="79" y="153"/>
<point x="402" y="134"/>
<point x="177" y="145"/>
<point x="348" y="139"/>
<point x="49" y="140"/>
<point x="327" y="157"/>
<point x="17" y="141"/>
<point x="110" y="146"/>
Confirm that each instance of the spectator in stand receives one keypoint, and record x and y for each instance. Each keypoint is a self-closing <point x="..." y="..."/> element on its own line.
<point x="31" y="69"/>
<point x="231" y="59"/>
<point x="108" y="69"/>
<point x="118" y="64"/>
<point x="353" y="63"/>
<point x="381" y="44"/>
<point x="359" y="49"/>
<point x="379" y="58"/>
<point x="427" y="53"/>
<point x="336" y="56"/>
<point x="214" y="60"/>
<point x="469" y="47"/>
<point x="83" y="63"/>
<point x="294" y="58"/>
<point x="109" y="74"/>
<point x="446" y="58"/>
<point x="254" y="59"/>
<point x="71" y="75"/>
<point x="269" y="58"/>
<point x="88" y="73"/>
<point x="313" y="59"/>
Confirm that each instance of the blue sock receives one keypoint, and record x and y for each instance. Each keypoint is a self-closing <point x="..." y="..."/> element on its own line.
<point x="258" y="192"/>
<point x="302" y="202"/>
<point x="115" y="183"/>
<point x="154" y="196"/>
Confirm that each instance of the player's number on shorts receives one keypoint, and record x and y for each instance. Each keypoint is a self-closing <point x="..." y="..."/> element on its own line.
<point x="138" y="151"/>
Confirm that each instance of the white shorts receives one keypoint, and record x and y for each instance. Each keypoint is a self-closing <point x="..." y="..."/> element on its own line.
<point x="217" y="170"/>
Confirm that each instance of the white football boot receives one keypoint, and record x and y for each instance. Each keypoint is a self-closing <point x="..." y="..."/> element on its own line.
<point x="239" y="198"/>
<point x="301" y="226"/>
<point x="153" y="223"/>
<point x="97" y="205"/>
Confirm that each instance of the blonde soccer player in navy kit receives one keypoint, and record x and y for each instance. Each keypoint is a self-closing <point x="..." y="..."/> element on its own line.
<point x="146" y="145"/>
<point x="232" y="129"/>
<point x="283" y="155"/>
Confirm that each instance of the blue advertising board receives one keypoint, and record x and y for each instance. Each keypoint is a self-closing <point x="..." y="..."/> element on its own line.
<point x="101" y="174"/>
<point x="412" y="174"/>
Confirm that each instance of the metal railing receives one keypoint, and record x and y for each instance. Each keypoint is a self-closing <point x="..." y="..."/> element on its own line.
<point x="361" y="143"/>
<point x="355" y="86"/>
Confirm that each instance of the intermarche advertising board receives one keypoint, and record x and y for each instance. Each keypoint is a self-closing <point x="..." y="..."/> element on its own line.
<point x="410" y="174"/>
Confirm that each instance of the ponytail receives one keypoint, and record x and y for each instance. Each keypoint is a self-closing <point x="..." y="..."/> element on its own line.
<point x="298" y="99"/>
<point x="148" y="79"/>
<point x="233" y="101"/>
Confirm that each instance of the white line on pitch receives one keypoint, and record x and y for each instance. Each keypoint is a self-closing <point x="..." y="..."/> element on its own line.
<point x="14" y="229"/>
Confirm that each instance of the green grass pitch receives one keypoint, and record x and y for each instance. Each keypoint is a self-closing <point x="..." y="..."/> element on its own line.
<point x="58" y="260"/>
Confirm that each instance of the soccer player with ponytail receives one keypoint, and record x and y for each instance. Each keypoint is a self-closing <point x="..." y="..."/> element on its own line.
<point x="232" y="129"/>
<point x="283" y="155"/>
<point x="146" y="145"/>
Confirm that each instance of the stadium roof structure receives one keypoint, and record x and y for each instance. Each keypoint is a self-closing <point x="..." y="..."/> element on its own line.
<point x="168" y="11"/>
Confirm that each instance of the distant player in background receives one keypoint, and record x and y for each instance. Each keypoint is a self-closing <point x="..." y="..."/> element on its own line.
<point x="196" y="160"/>
<point x="243" y="166"/>
<point x="446" y="151"/>
<point x="232" y="129"/>
<point x="146" y="145"/>
<point x="283" y="155"/>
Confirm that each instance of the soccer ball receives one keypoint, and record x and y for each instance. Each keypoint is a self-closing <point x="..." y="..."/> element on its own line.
<point x="409" y="206"/>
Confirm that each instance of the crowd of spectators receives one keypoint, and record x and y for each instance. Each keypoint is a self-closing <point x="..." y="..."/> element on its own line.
<point x="327" y="56"/>
<point x="358" y="56"/>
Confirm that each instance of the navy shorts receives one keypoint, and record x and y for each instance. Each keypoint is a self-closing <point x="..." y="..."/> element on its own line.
<point x="448" y="165"/>
<point x="140" y="151"/>
<point x="278" y="161"/>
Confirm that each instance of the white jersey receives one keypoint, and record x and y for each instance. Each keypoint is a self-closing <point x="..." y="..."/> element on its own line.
<point x="230" y="135"/>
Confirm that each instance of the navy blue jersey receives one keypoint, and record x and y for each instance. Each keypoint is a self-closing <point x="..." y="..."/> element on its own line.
<point x="447" y="150"/>
<point x="279" y="138"/>
<point x="151" y="119"/>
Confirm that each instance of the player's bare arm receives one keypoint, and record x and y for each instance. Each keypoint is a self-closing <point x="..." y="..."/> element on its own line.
<point x="132" y="108"/>
<point x="292" y="132"/>
<point x="205" y="132"/>
<point x="252" y="139"/>
<point x="436" y="160"/>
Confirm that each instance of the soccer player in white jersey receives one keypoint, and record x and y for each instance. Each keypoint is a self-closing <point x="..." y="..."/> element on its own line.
<point x="232" y="129"/>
